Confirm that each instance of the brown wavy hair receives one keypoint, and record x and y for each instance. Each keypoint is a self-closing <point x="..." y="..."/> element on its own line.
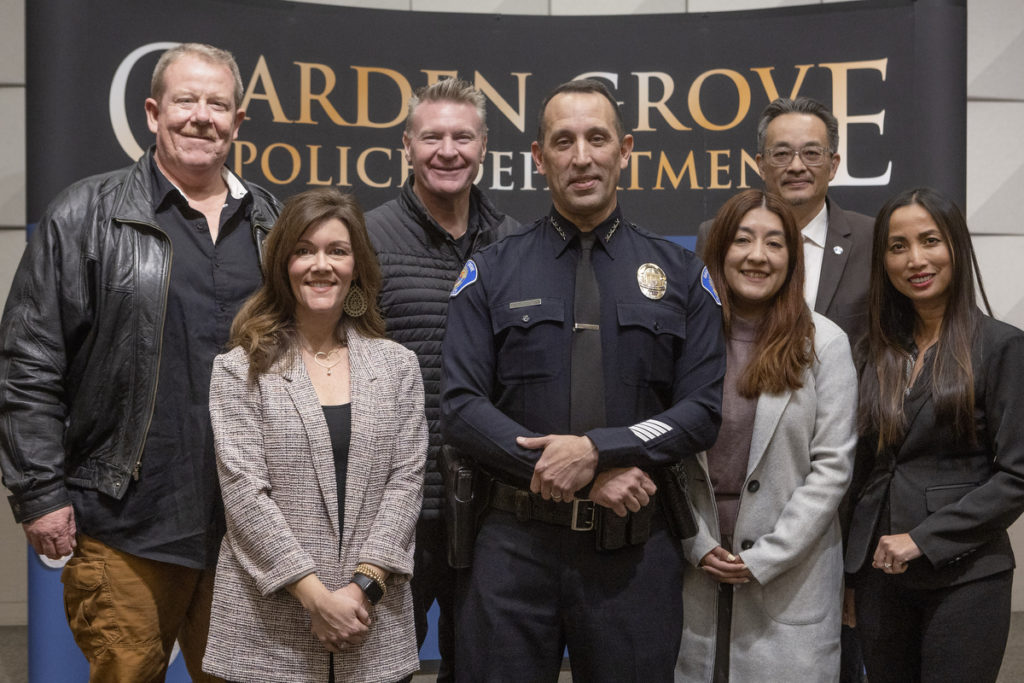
<point x="784" y="344"/>
<point x="890" y="339"/>
<point x="265" y="326"/>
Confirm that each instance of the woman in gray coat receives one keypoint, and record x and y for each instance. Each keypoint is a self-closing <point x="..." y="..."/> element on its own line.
<point x="321" y="442"/>
<point x="763" y="595"/>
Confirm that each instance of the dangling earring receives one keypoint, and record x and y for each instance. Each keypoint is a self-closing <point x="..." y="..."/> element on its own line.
<point x="355" y="302"/>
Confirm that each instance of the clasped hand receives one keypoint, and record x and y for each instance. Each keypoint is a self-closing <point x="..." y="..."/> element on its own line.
<point x="623" y="489"/>
<point x="341" y="618"/>
<point x="894" y="552"/>
<point x="725" y="567"/>
<point x="568" y="463"/>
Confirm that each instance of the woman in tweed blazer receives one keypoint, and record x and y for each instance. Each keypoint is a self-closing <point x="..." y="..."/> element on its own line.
<point x="312" y="585"/>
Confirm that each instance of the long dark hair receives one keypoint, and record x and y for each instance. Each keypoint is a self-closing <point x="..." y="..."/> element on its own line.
<point x="265" y="326"/>
<point x="886" y="349"/>
<point x="784" y="346"/>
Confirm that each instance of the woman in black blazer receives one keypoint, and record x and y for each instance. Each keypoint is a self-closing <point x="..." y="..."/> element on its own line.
<point x="940" y="463"/>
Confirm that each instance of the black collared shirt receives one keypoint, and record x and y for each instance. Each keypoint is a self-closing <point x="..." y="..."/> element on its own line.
<point x="173" y="512"/>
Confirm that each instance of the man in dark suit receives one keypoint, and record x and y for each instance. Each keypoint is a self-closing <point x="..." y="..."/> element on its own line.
<point x="796" y="155"/>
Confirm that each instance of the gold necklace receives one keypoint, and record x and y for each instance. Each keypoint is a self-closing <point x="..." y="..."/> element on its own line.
<point x="323" y="358"/>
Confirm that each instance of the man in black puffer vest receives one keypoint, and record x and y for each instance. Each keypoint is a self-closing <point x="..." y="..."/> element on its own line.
<point x="422" y="240"/>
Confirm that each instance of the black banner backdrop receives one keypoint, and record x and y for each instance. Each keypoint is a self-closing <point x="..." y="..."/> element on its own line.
<point x="326" y="89"/>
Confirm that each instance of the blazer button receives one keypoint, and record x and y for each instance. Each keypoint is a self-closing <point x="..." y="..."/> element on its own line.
<point x="747" y="545"/>
<point x="753" y="486"/>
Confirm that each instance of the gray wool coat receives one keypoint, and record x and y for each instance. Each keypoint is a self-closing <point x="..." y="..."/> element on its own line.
<point x="786" y="623"/>
<point x="276" y="469"/>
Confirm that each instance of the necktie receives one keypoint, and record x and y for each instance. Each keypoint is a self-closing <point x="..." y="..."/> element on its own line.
<point x="586" y="390"/>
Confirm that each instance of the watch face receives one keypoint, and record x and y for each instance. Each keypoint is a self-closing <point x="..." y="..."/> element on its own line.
<point x="370" y="587"/>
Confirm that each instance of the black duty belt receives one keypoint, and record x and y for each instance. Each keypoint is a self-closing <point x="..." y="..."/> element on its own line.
<point x="579" y="515"/>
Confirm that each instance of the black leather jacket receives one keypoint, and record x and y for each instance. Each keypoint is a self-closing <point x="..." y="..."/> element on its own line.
<point x="80" y="339"/>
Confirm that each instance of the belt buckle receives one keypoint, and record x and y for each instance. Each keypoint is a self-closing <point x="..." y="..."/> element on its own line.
<point x="582" y="515"/>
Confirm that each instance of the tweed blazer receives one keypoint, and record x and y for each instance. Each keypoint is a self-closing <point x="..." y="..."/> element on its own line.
<point x="276" y="468"/>
<point x="786" y="623"/>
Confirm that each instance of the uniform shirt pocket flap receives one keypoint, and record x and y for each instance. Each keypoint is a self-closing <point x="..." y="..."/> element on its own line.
<point x="657" y="318"/>
<point x="526" y="313"/>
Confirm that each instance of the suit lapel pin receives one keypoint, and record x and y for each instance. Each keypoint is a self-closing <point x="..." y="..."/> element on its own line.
<point x="837" y="250"/>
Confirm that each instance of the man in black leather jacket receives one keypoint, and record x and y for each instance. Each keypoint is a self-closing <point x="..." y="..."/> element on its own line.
<point x="422" y="239"/>
<point x="125" y="293"/>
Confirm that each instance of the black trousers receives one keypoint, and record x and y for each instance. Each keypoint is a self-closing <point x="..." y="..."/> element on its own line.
<point x="723" y="637"/>
<point x="950" y="634"/>
<point x="535" y="589"/>
<point x="433" y="579"/>
<point x="851" y="663"/>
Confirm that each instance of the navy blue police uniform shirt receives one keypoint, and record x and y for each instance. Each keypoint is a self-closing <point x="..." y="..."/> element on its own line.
<point x="507" y="348"/>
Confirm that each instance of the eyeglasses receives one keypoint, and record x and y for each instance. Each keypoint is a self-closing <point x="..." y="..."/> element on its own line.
<point x="812" y="155"/>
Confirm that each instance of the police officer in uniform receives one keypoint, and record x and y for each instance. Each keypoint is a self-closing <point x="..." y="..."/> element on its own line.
<point x="582" y="357"/>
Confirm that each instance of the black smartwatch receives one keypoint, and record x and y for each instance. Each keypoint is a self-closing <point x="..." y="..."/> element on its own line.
<point x="372" y="589"/>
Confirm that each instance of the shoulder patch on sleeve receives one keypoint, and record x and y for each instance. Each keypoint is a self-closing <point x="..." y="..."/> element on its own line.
<point x="705" y="282"/>
<point x="466" y="278"/>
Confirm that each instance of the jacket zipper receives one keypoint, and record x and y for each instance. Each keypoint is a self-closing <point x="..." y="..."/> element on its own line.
<point x="160" y="348"/>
